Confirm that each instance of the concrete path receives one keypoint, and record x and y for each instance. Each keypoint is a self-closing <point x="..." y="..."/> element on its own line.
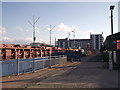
<point x="89" y="73"/>
<point x="26" y="78"/>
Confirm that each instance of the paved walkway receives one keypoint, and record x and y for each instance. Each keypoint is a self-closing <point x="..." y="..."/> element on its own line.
<point x="89" y="73"/>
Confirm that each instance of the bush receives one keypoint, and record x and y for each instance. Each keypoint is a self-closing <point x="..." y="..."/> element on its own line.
<point x="105" y="56"/>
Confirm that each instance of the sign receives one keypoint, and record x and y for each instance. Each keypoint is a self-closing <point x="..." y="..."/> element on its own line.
<point x="118" y="44"/>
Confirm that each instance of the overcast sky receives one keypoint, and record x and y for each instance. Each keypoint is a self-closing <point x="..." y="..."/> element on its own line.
<point x="84" y="17"/>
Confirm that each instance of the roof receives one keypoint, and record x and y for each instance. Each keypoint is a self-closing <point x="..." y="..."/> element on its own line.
<point x="109" y="39"/>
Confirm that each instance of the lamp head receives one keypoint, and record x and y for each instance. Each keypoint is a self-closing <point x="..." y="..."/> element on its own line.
<point x="112" y="7"/>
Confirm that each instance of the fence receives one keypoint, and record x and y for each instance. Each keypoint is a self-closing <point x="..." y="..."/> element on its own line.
<point x="15" y="67"/>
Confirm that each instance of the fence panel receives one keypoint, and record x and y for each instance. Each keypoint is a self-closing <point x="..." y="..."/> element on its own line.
<point x="14" y="67"/>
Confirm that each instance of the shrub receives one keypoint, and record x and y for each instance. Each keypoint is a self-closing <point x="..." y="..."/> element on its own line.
<point x="105" y="56"/>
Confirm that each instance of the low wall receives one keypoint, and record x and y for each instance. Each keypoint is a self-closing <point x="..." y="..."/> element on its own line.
<point x="15" y="67"/>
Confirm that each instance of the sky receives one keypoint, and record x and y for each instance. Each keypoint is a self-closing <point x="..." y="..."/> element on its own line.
<point x="84" y="17"/>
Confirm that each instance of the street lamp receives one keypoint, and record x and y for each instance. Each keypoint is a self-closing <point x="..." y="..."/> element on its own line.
<point x="111" y="8"/>
<point x="112" y="58"/>
<point x="74" y="37"/>
<point x="68" y="40"/>
<point x="51" y="28"/>
<point x="50" y="32"/>
<point x="34" y="38"/>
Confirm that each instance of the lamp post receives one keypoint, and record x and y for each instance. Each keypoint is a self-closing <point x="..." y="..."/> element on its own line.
<point x="34" y="38"/>
<point x="50" y="32"/>
<point x="68" y="40"/>
<point x="112" y="57"/>
<point x="51" y="28"/>
<point x="74" y="37"/>
<point x="55" y="41"/>
<point x="111" y="8"/>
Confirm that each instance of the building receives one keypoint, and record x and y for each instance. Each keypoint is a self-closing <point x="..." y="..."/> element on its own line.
<point x="112" y="43"/>
<point x="35" y="44"/>
<point x="96" y="41"/>
<point x="74" y="43"/>
<point x="62" y="43"/>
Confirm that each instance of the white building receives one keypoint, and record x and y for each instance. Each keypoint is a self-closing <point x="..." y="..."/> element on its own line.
<point x="96" y="41"/>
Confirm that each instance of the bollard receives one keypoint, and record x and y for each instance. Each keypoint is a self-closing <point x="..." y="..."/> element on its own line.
<point x="110" y="61"/>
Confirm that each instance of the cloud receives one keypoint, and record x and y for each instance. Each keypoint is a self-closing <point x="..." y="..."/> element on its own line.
<point x="19" y="28"/>
<point x="29" y="38"/>
<point x="37" y="29"/>
<point x="60" y="31"/>
<point x="26" y="41"/>
<point x="6" y="40"/>
<point x="47" y="28"/>
<point x="2" y="30"/>
<point x="26" y="29"/>
<point x="62" y="28"/>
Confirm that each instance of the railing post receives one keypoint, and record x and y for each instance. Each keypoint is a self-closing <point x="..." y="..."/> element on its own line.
<point x="17" y="63"/>
<point x="50" y="60"/>
<point x="59" y="58"/>
<point x="55" y="60"/>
